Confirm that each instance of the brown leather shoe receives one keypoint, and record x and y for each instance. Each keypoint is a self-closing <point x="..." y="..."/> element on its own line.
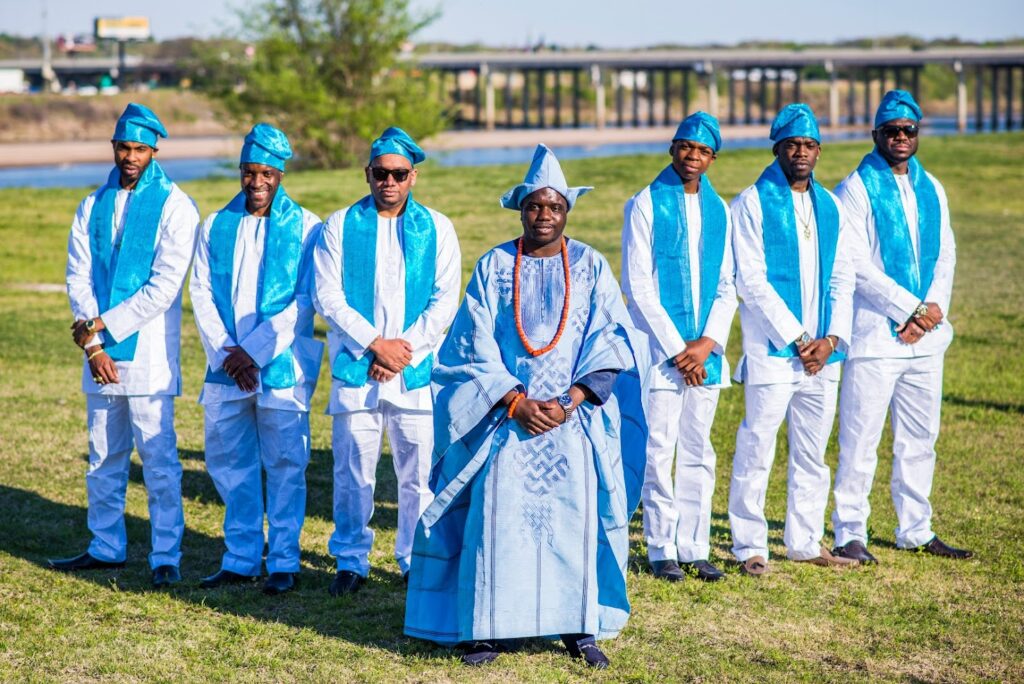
<point x="826" y="559"/>
<point x="755" y="566"/>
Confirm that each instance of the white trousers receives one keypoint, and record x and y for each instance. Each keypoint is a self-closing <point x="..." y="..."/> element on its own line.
<point x="116" y="425"/>
<point x="677" y="514"/>
<point x="808" y="407"/>
<point x="243" y="440"/>
<point x="911" y="389"/>
<point x="356" y="443"/>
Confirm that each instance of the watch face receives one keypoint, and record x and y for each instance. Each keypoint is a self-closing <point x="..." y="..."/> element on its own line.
<point x="565" y="401"/>
<point x="805" y="339"/>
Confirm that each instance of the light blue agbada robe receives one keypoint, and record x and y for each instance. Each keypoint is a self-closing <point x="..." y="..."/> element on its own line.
<point x="528" y="536"/>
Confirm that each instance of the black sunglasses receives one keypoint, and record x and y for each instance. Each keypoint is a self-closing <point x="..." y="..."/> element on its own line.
<point x="381" y="174"/>
<point x="910" y="130"/>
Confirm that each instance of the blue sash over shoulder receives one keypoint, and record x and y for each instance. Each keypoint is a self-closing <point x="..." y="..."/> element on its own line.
<point x="782" y="254"/>
<point x="913" y="273"/>
<point x="359" y="273"/>
<point x="282" y="255"/>
<point x="136" y="247"/>
<point x="672" y="257"/>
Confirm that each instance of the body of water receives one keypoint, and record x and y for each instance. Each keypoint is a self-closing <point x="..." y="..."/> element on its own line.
<point x="93" y="174"/>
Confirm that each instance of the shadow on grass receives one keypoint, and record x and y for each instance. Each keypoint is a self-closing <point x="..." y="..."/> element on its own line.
<point x="1001" y="406"/>
<point x="35" y="528"/>
<point x="198" y="486"/>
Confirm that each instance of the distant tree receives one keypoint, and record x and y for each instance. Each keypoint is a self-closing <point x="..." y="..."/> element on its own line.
<point x="327" y="72"/>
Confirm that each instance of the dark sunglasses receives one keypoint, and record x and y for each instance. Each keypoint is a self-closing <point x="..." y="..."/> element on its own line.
<point x="381" y="174"/>
<point x="910" y="130"/>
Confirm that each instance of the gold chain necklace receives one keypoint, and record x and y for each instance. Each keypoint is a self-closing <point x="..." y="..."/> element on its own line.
<point x="805" y="222"/>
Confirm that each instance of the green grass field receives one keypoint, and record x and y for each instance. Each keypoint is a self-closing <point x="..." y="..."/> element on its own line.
<point x="911" y="618"/>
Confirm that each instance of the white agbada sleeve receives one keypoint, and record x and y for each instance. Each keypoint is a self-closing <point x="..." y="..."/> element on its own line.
<point x="175" y="244"/>
<point x="425" y="333"/>
<point x="329" y="294"/>
<point x="723" y="309"/>
<point x="941" y="290"/>
<point x="884" y="293"/>
<point x="78" y="272"/>
<point x="842" y="284"/>
<point x="273" y="336"/>
<point x="212" y="332"/>
<point x="638" y="275"/>
<point x="752" y="285"/>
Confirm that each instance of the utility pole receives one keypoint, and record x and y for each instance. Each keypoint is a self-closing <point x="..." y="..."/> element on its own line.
<point x="50" y="81"/>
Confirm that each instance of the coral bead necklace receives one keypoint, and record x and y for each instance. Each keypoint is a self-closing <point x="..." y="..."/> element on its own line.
<point x="515" y="301"/>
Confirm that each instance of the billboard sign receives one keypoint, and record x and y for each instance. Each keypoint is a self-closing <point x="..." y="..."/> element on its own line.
<point x="122" y="28"/>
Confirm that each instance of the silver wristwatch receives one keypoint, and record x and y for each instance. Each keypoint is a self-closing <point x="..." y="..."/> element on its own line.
<point x="804" y="339"/>
<point x="565" y="401"/>
<point x="921" y="310"/>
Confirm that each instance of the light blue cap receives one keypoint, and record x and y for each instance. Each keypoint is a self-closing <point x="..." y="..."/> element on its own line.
<point x="266" y="145"/>
<point x="897" y="104"/>
<point x="396" y="141"/>
<point x="139" y="124"/>
<point x="795" y="121"/>
<point x="544" y="172"/>
<point x="700" y="127"/>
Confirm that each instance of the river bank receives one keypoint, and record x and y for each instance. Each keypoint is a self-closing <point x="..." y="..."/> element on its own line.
<point x="26" y="154"/>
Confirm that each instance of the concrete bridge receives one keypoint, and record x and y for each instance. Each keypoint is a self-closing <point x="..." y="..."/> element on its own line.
<point x="489" y="90"/>
<point x="653" y="87"/>
<point x="91" y="69"/>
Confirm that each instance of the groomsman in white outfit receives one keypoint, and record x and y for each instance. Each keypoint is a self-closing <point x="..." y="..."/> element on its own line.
<point x="677" y="273"/>
<point x="795" y="281"/>
<point x="251" y="293"/>
<point x="129" y="250"/>
<point x="388" y="273"/>
<point x="899" y="223"/>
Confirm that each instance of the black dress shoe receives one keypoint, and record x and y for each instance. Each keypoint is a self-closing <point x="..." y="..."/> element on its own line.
<point x="345" y="582"/>
<point x="165" y="576"/>
<point x="855" y="550"/>
<point x="278" y="583"/>
<point x="222" y="577"/>
<point x="702" y="570"/>
<point x="667" y="570"/>
<point x="586" y="648"/>
<point x="937" y="547"/>
<point x="85" y="561"/>
<point x="483" y="652"/>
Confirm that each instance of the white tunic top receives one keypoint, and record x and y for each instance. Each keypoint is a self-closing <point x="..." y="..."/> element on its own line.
<point x="154" y="311"/>
<point x="764" y="316"/>
<point x="878" y="298"/>
<point x="643" y="293"/>
<point x="348" y="328"/>
<point x="262" y="341"/>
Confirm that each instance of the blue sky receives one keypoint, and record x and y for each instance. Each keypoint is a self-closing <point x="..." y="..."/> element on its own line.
<point x="581" y="22"/>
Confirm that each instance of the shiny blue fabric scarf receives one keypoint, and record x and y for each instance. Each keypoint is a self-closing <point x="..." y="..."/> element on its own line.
<point x="359" y="273"/>
<point x="136" y="247"/>
<point x="782" y="254"/>
<point x="282" y="255"/>
<point x="891" y="223"/>
<point x="672" y="257"/>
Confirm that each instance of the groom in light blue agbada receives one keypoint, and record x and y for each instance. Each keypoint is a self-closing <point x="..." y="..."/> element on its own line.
<point x="539" y="445"/>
